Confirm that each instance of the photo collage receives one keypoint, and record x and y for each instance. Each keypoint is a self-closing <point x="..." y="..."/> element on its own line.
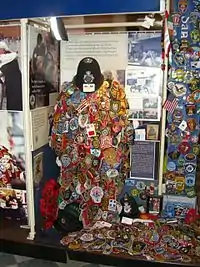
<point x="12" y="143"/>
<point x="143" y="86"/>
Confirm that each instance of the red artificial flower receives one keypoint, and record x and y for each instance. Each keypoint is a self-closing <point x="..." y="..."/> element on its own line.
<point x="48" y="203"/>
<point x="191" y="216"/>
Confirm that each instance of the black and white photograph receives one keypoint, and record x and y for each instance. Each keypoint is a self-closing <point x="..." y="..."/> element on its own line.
<point x="10" y="73"/>
<point x="144" y="49"/>
<point x="151" y="114"/>
<point x="12" y="135"/>
<point x="118" y="75"/>
<point x="137" y="114"/>
<point x="150" y="103"/>
<point x="144" y="109"/>
<point x="151" y="108"/>
<point x="44" y="67"/>
<point x="144" y="115"/>
<point x="143" y="81"/>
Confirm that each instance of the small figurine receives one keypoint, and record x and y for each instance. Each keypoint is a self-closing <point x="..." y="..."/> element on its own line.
<point x="169" y="211"/>
<point x="129" y="207"/>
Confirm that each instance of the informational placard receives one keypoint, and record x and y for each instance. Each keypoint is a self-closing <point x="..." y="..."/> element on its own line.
<point x="110" y="50"/>
<point x="143" y="160"/>
<point x="40" y="127"/>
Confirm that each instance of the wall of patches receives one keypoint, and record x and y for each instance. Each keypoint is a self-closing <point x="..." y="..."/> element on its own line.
<point x="182" y="104"/>
<point x="158" y="72"/>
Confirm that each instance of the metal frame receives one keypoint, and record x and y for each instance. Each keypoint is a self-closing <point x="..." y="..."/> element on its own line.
<point x="163" y="118"/>
<point x="27" y="128"/>
<point x="27" y="113"/>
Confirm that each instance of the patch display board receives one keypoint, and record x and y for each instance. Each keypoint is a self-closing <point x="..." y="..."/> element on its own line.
<point x="183" y="100"/>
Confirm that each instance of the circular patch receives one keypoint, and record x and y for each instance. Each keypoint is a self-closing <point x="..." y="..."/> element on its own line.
<point x="178" y="115"/>
<point x="190" y="193"/>
<point x="171" y="166"/>
<point x="140" y="185"/>
<point x="179" y="90"/>
<point x="73" y="124"/>
<point x="189" y="167"/>
<point x="186" y="258"/>
<point x="96" y="194"/>
<point x="184" y="148"/>
<point x="134" y="192"/>
<point x="181" y="162"/>
<point x="195" y="149"/>
<point x="143" y="195"/>
<point x="87" y="237"/>
<point x="190" y="180"/>
<point x="194" y="138"/>
<point x="110" y="156"/>
<point x="190" y="157"/>
<point x="138" y="247"/>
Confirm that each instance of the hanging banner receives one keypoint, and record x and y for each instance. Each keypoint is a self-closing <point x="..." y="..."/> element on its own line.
<point x="44" y="66"/>
<point x="10" y="73"/>
<point x="45" y="8"/>
<point x="183" y="102"/>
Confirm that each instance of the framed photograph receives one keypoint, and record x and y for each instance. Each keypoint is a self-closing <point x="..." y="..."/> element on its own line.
<point x="144" y="108"/>
<point x="154" y="204"/>
<point x="152" y="131"/>
<point x="143" y="81"/>
<point x="144" y="49"/>
<point x="38" y="168"/>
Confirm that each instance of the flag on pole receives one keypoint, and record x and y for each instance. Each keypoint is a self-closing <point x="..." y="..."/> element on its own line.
<point x="83" y="105"/>
<point x="167" y="27"/>
<point x="171" y="103"/>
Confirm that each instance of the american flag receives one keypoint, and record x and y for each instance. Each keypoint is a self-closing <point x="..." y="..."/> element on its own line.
<point x="171" y="103"/>
<point x="167" y="28"/>
<point x="83" y="105"/>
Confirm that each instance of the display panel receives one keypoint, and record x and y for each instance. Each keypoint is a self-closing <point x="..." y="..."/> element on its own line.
<point x="13" y="203"/>
<point x="182" y="103"/>
<point x="110" y="54"/>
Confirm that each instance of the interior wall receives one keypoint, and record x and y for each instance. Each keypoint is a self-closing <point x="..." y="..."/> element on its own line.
<point x="12" y="31"/>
